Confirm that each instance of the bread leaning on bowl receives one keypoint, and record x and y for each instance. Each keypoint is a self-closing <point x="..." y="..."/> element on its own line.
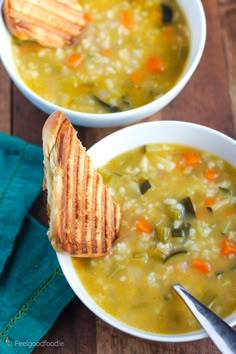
<point x="83" y="218"/>
<point x="51" y="23"/>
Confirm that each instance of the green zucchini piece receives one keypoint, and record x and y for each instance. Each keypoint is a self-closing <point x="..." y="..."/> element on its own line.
<point x="181" y="231"/>
<point x="167" y="13"/>
<point x="219" y="274"/>
<point x="224" y="190"/>
<point x="109" y="108"/>
<point x="175" y="253"/>
<point x="188" y="207"/>
<point x="209" y="209"/>
<point x="233" y="268"/>
<point x="178" y="232"/>
<point x="145" y="186"/>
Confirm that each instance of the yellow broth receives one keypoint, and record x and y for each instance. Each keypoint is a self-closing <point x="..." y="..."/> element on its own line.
<point x="131" y="53"/>
<point x="133" y="283"/>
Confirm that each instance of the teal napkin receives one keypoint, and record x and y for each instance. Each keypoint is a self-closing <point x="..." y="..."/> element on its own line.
<point x="33" y="290"/>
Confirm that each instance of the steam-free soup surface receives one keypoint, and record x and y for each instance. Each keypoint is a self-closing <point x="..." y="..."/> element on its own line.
<point x="129" y="53"/>
<point x="178" y="224"/>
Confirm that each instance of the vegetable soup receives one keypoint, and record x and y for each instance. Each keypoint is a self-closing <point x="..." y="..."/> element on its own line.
<point x="178" y="224"/>
<point x="130" y="53"/>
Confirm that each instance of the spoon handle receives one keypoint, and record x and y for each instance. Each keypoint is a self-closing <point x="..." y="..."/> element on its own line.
<point x="218" y="330"/>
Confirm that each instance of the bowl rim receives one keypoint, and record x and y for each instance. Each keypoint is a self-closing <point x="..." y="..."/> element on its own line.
<point x="108" y="119"/>
<point x="170" y="127"/>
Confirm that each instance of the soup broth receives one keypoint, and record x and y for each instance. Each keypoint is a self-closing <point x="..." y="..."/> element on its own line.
<point x="130" y="53"/>
<point x="178" y="208"/>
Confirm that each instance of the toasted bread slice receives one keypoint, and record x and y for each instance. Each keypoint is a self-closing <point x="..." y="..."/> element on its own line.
<point x="84" y="220"/>
<point x="51" y="23"/>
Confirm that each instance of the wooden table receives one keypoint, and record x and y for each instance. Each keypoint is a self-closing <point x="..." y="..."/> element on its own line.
<point x="209" y="99"/>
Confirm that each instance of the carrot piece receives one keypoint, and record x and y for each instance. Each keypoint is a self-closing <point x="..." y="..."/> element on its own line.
<point x="74" y="60"/>
<point x="143" y="225"/>
<point x="136" y="77"/>
<point x="155" y="64"/>
<point x="202" y="265"/>
<point x="211" y="174"/>
<point x="26" y="47"/>
<point x="168" y="32"/>
<point x="192" y="158"/>
<point x="209" y="200"/>
<point x="229" y="211"/>
<point x="179" y="165"/>
<point x="127" y="19"/>
<point x="201" y="213"/>
<point x="106" y="51"/>
<point x="228" y="247"/>
<point x="88" y="16"/>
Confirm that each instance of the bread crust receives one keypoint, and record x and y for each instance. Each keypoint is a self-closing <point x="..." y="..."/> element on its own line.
<point x="51" y="23"/>
<point x="83" y="218"/>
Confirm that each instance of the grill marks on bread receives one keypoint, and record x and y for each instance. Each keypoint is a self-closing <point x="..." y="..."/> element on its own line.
<point x="51" y="23"/>
<point x="84" y="220"/>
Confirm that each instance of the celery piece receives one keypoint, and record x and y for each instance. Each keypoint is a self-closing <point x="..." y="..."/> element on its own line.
<point x="227" y="226"/>
<point x="163" y="233"/>
<point x="115" y="180"/>
<point x="158" y="253"/>
<point x="152" y="147"/>
<point x="220" y="204"/>
<point x="175" y="213"/>
<point x="208" y="298"/>
<point x="165" y="164"/>
<point x="186" y="227"/>
<point x="104" y="172"/>
<point x="140" y="257"/>
<point x="114" y="270"/>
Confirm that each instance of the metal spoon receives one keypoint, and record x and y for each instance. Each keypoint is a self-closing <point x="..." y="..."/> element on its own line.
<point x="218" y="330"/>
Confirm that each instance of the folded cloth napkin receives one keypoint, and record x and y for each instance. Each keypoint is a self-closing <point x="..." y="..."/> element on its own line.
<point x="33" y="290"/>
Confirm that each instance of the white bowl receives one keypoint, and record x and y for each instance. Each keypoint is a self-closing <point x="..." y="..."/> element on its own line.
<point x="129" y="138"/>
<point x="197" y="22"/>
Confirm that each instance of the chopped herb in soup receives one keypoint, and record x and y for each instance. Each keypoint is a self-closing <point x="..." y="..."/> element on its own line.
<point x="130" y="53"/>
<point x="178" y="224"/>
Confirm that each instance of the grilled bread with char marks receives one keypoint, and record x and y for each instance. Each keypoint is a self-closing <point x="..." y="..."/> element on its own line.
<point x="51" y="23"/>
<point x="83" y="218"/>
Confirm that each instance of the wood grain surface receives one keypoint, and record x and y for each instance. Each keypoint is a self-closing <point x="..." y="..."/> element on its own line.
<point x="210" y="99"/>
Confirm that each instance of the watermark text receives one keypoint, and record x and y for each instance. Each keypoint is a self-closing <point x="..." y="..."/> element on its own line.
<point x="31" y="344"/>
